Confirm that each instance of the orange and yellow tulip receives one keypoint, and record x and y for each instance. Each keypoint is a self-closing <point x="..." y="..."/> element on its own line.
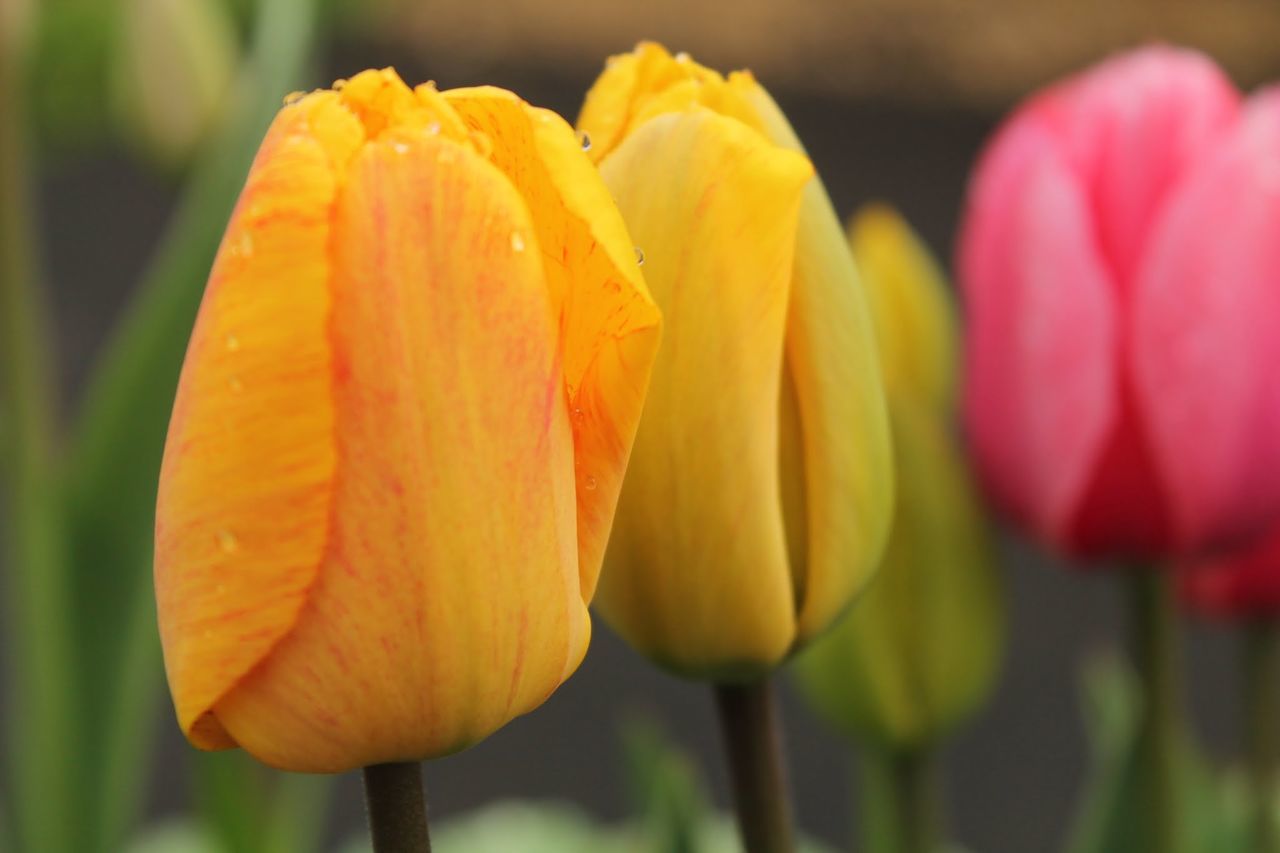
<point x="761" y="489"/>
<point x="400" y="431"/>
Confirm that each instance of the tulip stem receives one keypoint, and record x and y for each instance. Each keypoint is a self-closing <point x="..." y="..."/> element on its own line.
<point x="900" y="808"/>
<point x="1154" y="623"/>
<point x="1262" y="712"/>
<point x="397" y="807"/>
<point x="749" y="725"/>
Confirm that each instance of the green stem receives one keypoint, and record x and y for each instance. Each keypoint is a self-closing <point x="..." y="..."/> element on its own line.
<point x="1262" y="723"/>
<point x="1154" y="625"/>
<point x="749" y="726"/>
<point x="397" y="808"/>
<point x="42" y="724"/>
<point x="900" y="805"/>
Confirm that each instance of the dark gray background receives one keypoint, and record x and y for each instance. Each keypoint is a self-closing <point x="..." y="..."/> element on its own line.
<point x="1014" y="775"/>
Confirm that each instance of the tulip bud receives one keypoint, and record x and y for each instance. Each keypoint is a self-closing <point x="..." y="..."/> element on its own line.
<point x="919" y="650"/>
<point x="761" y="492"/>
<point x="1119" y="265"/>
<point x="400" y="430"/>
<point x="1242" y="585"/>
<point x="174" y="64"/>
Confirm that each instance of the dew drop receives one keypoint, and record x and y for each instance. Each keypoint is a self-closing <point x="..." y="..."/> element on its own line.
<point x="585" y="140"/>
<point x="577" y="414"/>
<point x="589" y="483"/>
<point x="339" y="85"/>
<point x="400" y="147"/>
<point x="227" y="542"/>
<point x="682" y="56"/>
<point x="243" y="246"/>
<point x="639" y="256"/>
<point x="293" y="98"/>
<point x="233" y="343"/>
<point x="433" y="129"/>
<point x="235" y="384"/>
<point x="517" y="242"/>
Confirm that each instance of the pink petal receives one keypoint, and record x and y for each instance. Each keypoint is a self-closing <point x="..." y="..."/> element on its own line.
<point x="1039" y="397"/>
<point x="1206" y="336"/>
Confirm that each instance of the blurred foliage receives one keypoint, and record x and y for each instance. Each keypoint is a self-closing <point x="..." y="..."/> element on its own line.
<point x="1213" y="805"/>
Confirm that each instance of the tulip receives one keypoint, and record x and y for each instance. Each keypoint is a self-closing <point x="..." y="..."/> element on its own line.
<point x="760" y="493"/>
<point x="1119" y="266"/>
<point x="170" y="114"/>
<point x="400" y="430"/>
<point x="1118" y="261"/>
<point x="919" y="650"/>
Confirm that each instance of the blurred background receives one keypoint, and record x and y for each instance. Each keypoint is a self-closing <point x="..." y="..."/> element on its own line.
<point x="893" y="99"/>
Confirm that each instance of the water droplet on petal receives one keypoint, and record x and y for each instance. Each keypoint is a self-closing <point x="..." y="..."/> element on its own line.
<point x="227" y="542"/>
<point x="233" y="343"/>
<point x="235" y="384"/>
<point x="639" y="256"/>
<point x="433" y="129"/>
<point x="585" y="140"/>
<point x="577" y="414"/>
<point x="682" y="56"/>
<point x="517" y="242"/>
<point x="400" y="147"/>
<point x="589" y="483"/>
<point x="339" y="85"/>
<point x="243" y="245"/>
<point x="293" y="98"/>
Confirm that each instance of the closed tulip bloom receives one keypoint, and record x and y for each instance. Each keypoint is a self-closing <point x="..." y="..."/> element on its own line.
<point x="400" y="430"/>
<point x="920" y="648"/>
<point x="760" y="490"/>
<point x="1120" y="268"/>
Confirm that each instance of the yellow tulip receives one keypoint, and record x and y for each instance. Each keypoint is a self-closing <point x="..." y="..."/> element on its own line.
<point x="760" y="492"/>
<point x="400" y="431"/>
<point x="920" y="649"/>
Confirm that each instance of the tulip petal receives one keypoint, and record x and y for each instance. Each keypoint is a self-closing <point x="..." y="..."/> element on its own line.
<point x="1207" y="335"/>
<point x="608" y="323"/>
<point x="245" y="487"/>
<point x="1042" y="391"/>
<point x="908" y="301"/>
<point x="1129" y="128"/>
<point x="831" y="355"/>
<point x="698" y="573"/>
<point x="440" y="613"/>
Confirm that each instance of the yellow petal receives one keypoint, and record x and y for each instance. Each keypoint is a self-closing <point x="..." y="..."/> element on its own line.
<point x="245" y="487"/>
<point x="646" y="83"/>
<point x="921" y="647"/>
<point x="697" y="575"/>
<point x="831" y="355"/>
<point x="908" y="298"/>
<point x="609" y="325"/>
<point x="449" y="599"/>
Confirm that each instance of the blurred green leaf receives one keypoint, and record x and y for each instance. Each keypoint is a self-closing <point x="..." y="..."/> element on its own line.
<point x="664" y="789"/>
<point x="251" y="808"/>
<point x="68" y="74"/>
<point x="1212" y="811"/>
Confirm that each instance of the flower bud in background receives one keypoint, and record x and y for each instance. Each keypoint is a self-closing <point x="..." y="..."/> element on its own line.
<point x="919" y="650"/>
<point x="175" y="61"/>
<point x="1119" y="263"/>
<point x="1242" y="585"/>
<point x="760" y="494"/>
<point x="400" y="430"/>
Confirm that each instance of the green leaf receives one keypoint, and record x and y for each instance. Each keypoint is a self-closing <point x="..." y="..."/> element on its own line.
<point x="663" y="786"/>
<point x="178" y="836"/>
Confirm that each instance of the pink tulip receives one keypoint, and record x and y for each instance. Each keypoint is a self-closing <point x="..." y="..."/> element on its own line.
<point x="1244" y="585"/>
<point x="1120" y="261"/>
